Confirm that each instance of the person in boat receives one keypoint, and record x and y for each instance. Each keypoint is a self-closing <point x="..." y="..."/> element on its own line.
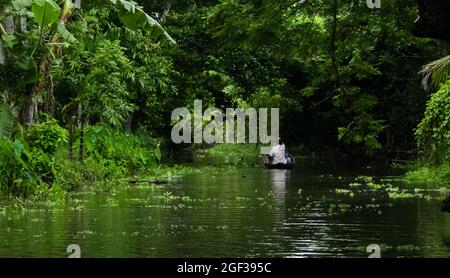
<point x="277" y="154"/>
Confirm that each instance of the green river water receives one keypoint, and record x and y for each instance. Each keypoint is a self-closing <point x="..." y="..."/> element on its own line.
<point x="236" y="213"/>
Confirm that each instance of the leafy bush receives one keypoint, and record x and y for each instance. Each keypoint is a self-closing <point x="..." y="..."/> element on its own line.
<point x="47" y="136"/>
<point x="45" y="139"/>
<point x="17" y="177"/>
<point x="439" y="175"/>
<point x="92" y="173"/>
<point x="112" y="148"/>
<point x="44" y="165"/>
<point x="433" y="133"/>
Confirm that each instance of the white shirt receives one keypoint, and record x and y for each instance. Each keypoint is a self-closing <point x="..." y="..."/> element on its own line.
<point x="278" y="154"/>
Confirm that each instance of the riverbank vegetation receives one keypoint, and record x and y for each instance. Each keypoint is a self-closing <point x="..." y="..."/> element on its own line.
<point x="87" y="89"/>
<point x="433" y="137"/>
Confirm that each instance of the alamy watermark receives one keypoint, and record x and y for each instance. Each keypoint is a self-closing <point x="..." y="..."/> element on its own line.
<point x="74" y="251"/>
<point x="235" y="126"/>
<point x="374" y="250"/>
<point x="372" y="4"/>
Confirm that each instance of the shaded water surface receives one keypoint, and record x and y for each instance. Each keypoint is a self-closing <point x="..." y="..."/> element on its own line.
<point x="234" y="213"/>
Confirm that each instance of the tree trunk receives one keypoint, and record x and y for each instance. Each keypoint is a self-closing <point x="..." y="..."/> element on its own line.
<point x="128" y="123"/>
<point x="333" y="40"/>
<point x="30" y="110"/>
<point x="2" y="55"/>
<point x="7" y="27"/>
<point x="81" y="127"/>
<point x="81" y="149"/>
<point x="71" y="140"/>
<point x="45" y="81"/>
<point x="45" y="84"/>
<point x="29" y="113"/>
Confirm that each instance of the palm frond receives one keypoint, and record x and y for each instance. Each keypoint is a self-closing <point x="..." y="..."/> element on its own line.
<point x="438" y="71"/>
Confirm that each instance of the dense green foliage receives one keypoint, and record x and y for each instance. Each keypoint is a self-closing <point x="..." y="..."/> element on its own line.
<point x="87" y="92"/>
<point x="71" y="64"/>
<point x="433" y="133"/>
<point x="433" y="140"/>
<point x="438" y="175"/>
<point x="352" y="86"/>
<point x="17" y="178"/>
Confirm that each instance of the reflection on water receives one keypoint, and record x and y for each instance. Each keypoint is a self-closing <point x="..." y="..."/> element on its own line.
<point x="279" y="179"/>
<point x="231" y="213"/>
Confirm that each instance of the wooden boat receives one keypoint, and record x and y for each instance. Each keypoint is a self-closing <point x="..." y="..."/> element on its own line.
<point x="281" y="166"/>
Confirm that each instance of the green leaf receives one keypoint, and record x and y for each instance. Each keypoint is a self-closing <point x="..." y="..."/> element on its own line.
<point x="20" y="4"/>
<point x="27" y="64"/>
<point x="158" y="153"/>
<point x="65" y="34"/>
<point x="10" y="40"/>
<point x="134" y="17"/>
<point x="46" y="12"/>
<point x="18" y="148"/>
<point x="6" y="121"/>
